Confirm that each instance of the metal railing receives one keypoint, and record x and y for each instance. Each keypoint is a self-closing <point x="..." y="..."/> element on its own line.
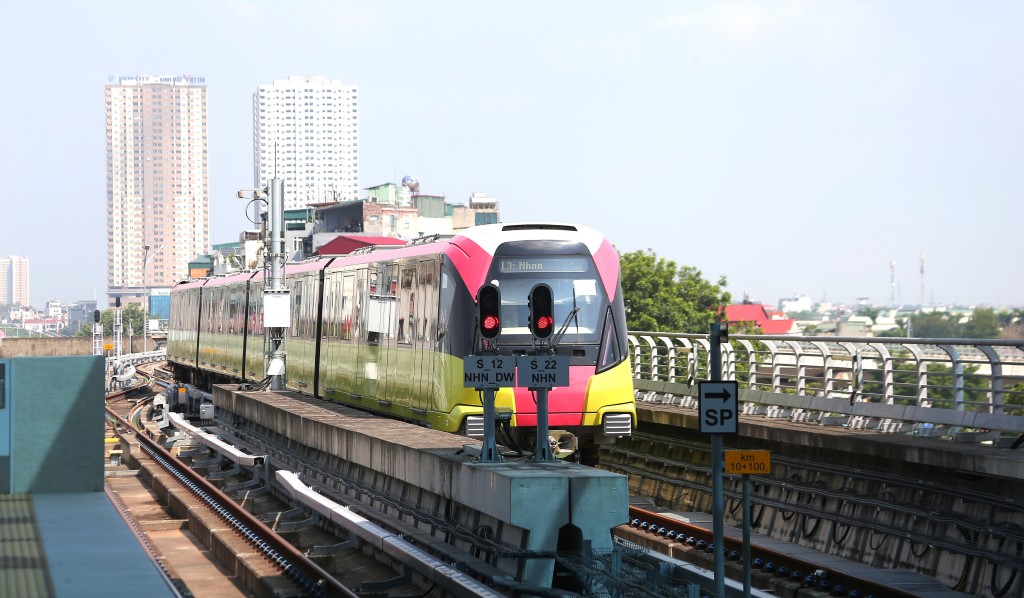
<point x="949" y="383"/>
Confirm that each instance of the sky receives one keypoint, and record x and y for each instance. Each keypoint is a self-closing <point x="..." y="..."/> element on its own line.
<point x="791" y="146"/>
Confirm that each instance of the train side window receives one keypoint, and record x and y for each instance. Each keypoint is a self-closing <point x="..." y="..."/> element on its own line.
<point x="347" y="301"/>
<point x="308" y="308"/>
<point x="296" y="306"/>
<point x="407" y="306"/>
<point x="610" y="346"/>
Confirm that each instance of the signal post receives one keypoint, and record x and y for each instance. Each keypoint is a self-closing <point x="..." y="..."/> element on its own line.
<point x="544" y="370"/>
<point x="489" y="372"/>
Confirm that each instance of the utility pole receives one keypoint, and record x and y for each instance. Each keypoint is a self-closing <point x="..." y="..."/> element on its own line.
<point x="276" y="302"/>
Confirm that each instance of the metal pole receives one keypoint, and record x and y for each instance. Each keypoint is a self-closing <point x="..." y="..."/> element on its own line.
<point x="746" y="536"/>
<point x="489" y="450"/>
<point x="277" y="273"/>
<point x="717" y="500"/>
<point x="542" y="451"/>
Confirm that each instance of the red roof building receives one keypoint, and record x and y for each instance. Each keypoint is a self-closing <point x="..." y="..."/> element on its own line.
<point x="345" y="244"/>
<point x="765" y="317"/>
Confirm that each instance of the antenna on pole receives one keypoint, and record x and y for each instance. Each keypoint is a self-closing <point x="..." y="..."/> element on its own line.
<point x="892" y="283"/>
<point x="922" y="280"/>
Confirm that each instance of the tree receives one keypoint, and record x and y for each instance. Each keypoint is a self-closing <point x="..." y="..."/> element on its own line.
<point x="661" y="296"/>
<point x="870" y="312"/>
<point x="933" y="325"/>
<point x="984" y="323"/>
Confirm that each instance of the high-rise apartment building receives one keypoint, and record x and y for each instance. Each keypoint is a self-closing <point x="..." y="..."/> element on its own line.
<point x="157" y="189"/>
<point x="14" y="287"/>
<point x="306" y="131"/>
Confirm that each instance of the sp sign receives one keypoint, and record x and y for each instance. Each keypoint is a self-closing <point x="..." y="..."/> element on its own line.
<point x="719" y="407"/>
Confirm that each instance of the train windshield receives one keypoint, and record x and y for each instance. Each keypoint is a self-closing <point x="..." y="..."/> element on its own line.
<point x="579" y="297"/>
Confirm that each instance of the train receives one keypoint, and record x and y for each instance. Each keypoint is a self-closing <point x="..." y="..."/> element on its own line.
<point x="387" y="328"/>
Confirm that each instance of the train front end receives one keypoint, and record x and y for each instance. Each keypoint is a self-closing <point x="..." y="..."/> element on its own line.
<point x="589" y="329"/>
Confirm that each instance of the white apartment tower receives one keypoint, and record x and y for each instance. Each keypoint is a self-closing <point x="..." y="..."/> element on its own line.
<point x="14" y="287"/>
<point x="306" y="131"/>
<point x="157" y="189"/>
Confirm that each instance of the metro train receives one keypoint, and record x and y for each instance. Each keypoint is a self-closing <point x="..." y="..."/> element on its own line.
<point x="387" y="330"/>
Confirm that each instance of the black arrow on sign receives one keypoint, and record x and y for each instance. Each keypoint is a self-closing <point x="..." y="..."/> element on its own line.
<point x="724" y="395"/>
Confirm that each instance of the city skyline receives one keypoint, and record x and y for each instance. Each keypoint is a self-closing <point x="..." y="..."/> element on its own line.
<point x="793" y="147"/>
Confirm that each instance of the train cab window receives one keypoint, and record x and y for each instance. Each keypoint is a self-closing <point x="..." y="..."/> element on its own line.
<point x="579" y="297"/>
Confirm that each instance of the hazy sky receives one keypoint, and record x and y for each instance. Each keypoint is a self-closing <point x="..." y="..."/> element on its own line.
<point x="791" y="146"/>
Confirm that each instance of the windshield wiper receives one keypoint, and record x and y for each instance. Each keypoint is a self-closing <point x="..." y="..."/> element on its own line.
<point x="572" y="316"/>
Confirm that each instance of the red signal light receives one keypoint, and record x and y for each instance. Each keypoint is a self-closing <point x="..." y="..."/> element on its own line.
<point x="542" y="311"/>
<point x="489" y="311"/>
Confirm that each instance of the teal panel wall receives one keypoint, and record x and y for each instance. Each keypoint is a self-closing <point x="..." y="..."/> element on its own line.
<point x="57" y="420"/>
<point x="5" y="430"/>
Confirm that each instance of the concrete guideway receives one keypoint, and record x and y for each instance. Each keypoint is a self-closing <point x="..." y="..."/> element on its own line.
<point x="531" y="507"/>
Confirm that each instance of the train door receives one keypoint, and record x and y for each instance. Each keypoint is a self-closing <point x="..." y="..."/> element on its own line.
<point x="423" y="310"/>
<point x="402" y="363"/>
<point x="388" y="306"/>
<point x="329" y="336"/>
<point x="346" y="356"/>
<point x="366" y="341"/>
<point x="255" y="348"/>
<point x="299" y="343"/>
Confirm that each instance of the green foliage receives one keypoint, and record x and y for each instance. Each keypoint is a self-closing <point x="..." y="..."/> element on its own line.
<point x="870" y="312"/>
<point x="983" y="324"/>
<point x="132" y="316"/>
<point x="1015" y="397"/>
<point x="664" y="297"/>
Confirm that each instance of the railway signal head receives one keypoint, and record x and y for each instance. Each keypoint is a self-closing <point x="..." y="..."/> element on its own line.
<point x="489" y="310"/>
<point x="542" y="311"/>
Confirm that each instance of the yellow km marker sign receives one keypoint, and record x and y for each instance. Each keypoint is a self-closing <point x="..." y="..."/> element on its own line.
<point x="748" y="462"/>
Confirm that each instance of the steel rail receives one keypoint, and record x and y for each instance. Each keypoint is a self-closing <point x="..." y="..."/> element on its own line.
<point x="294" y="564"/>
<point x="684" y="532"/>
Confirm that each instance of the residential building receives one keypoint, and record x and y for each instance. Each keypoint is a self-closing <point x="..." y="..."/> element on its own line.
<point x="796" y="303"/>
<point x="14" y="280"/>
<point x="306" y="132"/>
<point x="157" y="182"/>
<point x="81" y="313"/>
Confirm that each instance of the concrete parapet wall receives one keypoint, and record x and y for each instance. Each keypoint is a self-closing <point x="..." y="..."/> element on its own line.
<point x="45" y="347"/>
<point x="59" y="346"/>
<point x="526" y="505"/>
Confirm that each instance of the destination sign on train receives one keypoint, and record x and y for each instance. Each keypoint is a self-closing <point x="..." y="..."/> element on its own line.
<point x="514" y="265"/>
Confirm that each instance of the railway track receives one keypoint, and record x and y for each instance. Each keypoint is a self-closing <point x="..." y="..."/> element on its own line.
<point x="668" y="534"/>
<point x="304" y="576"/>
